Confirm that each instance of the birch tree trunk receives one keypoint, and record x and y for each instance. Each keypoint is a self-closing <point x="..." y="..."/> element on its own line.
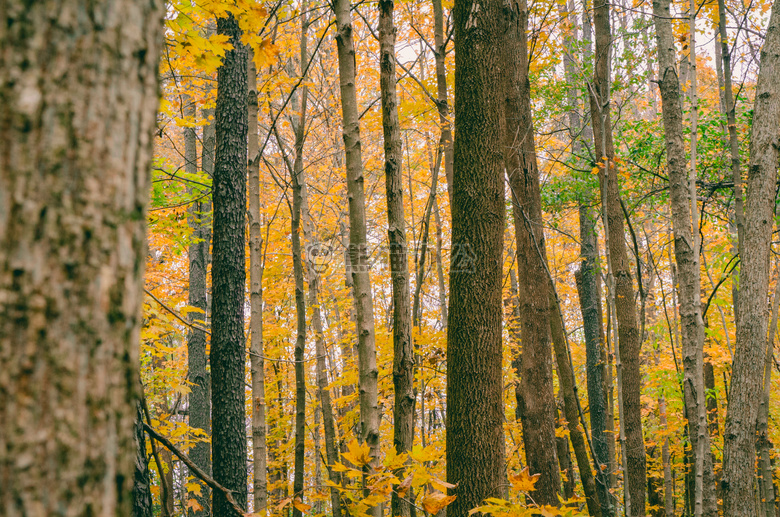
<point x="475" y="412"/>
<point x="403" y="351"/>
<point x="358" y="252"/>
<point x="229" y="274"/>
<point x="739" y="454"/>
<point x="78" y="96"/>
<point x="536" y="382"/>
<point x="682" y="190"/>
<point x="256" y="347"/>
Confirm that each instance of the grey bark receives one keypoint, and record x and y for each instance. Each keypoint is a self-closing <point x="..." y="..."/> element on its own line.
<point x="739" y="453"/>
<point x="442" y="104"/>
<point x="358" y="252"/>
<point x="403" y="351"/>
<point x="78" y="95"/>
<point x="685" y="228"/>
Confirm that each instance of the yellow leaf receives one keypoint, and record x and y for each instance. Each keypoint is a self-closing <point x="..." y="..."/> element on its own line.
<point x="300" y="505"/>
<point x="358" y="454"/>
<point x="523" y="482"/>
<point x="435" y="501"/>
<point x="438" y="484"/>
<point x="403" y="488"/>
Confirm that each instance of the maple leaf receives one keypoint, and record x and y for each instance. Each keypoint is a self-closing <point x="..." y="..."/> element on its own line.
<point x="523" y="482"/>
<point x="435" y="501"/>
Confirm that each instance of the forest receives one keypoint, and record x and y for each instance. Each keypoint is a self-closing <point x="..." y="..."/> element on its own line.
<point x="286" y="258"/>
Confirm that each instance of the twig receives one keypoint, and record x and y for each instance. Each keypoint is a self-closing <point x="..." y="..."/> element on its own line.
<point x="176" y="315"/>
<point x="194" y="468"/>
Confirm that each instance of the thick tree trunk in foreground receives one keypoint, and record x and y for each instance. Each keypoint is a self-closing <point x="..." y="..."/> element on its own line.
<point x="403" y="351"/>
<point x="256" y="348"/>
<point x="686" y="257"/>
<point x="358" y="252"/>
<point x="229" y="275"/>
<point x="199" y="400"/>
<point x="739" y="453"/>
<point x="78" y="95"/>
<point x="475" y="411"/>
<point x="536" y="382"/>
<point x="622" y="291"/>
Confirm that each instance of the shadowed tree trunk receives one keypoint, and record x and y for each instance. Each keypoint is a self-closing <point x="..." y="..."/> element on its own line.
<point x="739" y="453"/>
<point x="403" y="351"/>
<point x="78" y="97"/>
<point x="475" y="412"/>
<point x="229" y="274"/>
<point x="142" y="494"/>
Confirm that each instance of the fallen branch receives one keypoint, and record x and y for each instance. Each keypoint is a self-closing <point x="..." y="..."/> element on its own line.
<point x="195" y="469"/>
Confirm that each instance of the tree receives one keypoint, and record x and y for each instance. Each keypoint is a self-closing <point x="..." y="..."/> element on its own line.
<point x="403" y="351"/>
<point x="620" y="286"/>
<point x="687" y="258"/>
<point x="228" y="273"/>
<point x="536" y="395"/>
<point x="475" y="412"/>
<point x="74" y="184"/>
<point x="358" y="252"/>
<point x="739" y="453"/>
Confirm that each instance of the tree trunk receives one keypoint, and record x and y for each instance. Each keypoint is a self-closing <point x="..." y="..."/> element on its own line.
<point x="142" y="495"/>
<point x="256" y="270"/>
<point x="403" y="351"/>
<point x="358" y="251"/>
<point x="621" y="286"/>
<point x="199" y="403"/>
<point x="765" y="470"/>
<point x="442" y="104"/>
<point x="77" y="111"/>
<point x="536" y="383"/>
<point x="229" y="275"/>
<point x="475" y="412"/>
<point x="739" y="453"/>
<point x="685" y="227"/>
<point x="595" y="356"/>
<point x="299" y="127"/>
<point x="440" y="267"/>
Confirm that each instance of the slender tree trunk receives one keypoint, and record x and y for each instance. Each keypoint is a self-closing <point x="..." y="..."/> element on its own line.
<point x="256" y="348"/>
<point x="621" y="290"/>
<point x="475" y="412"/>
<point x="199" y="399"/>
<point x="685" y="227"/>
<point x="536" y="383"/>
<point x="595" y="356"/>
<point x="229" y="274"/>
<point x="77" y="112"/>
<point x="299" y="126"/>
<point x="403" y="351"/>
<point x="739" y="452"/>
<point x="440" y="267"/>
<point x="442" y="104"/>
<point x="579" y="440"/>
<point x="358" y="252"/>
<point x="564" y="454"/>
<point x="142" y="494"/>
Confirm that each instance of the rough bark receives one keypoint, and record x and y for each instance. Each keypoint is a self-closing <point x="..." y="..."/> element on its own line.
<point x="142" y="494"/>
<point x="229" y="274"/>
<point x="199" y="403"/>
<point x="475" y="412"/>
<point x="403" y="351"/>
<point x="256" y="270"/>
<point x="536" y="382"/>
<point x="764" y="443"/>
<point x="682" y="204"/>
<point x="589" y="289"/>
<point x="739" y="454"/>
<point x="621" y="288"/>
<point x="358" y="252"/>
<point x="78" y="95"/>
<point x="440" y="267"/>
